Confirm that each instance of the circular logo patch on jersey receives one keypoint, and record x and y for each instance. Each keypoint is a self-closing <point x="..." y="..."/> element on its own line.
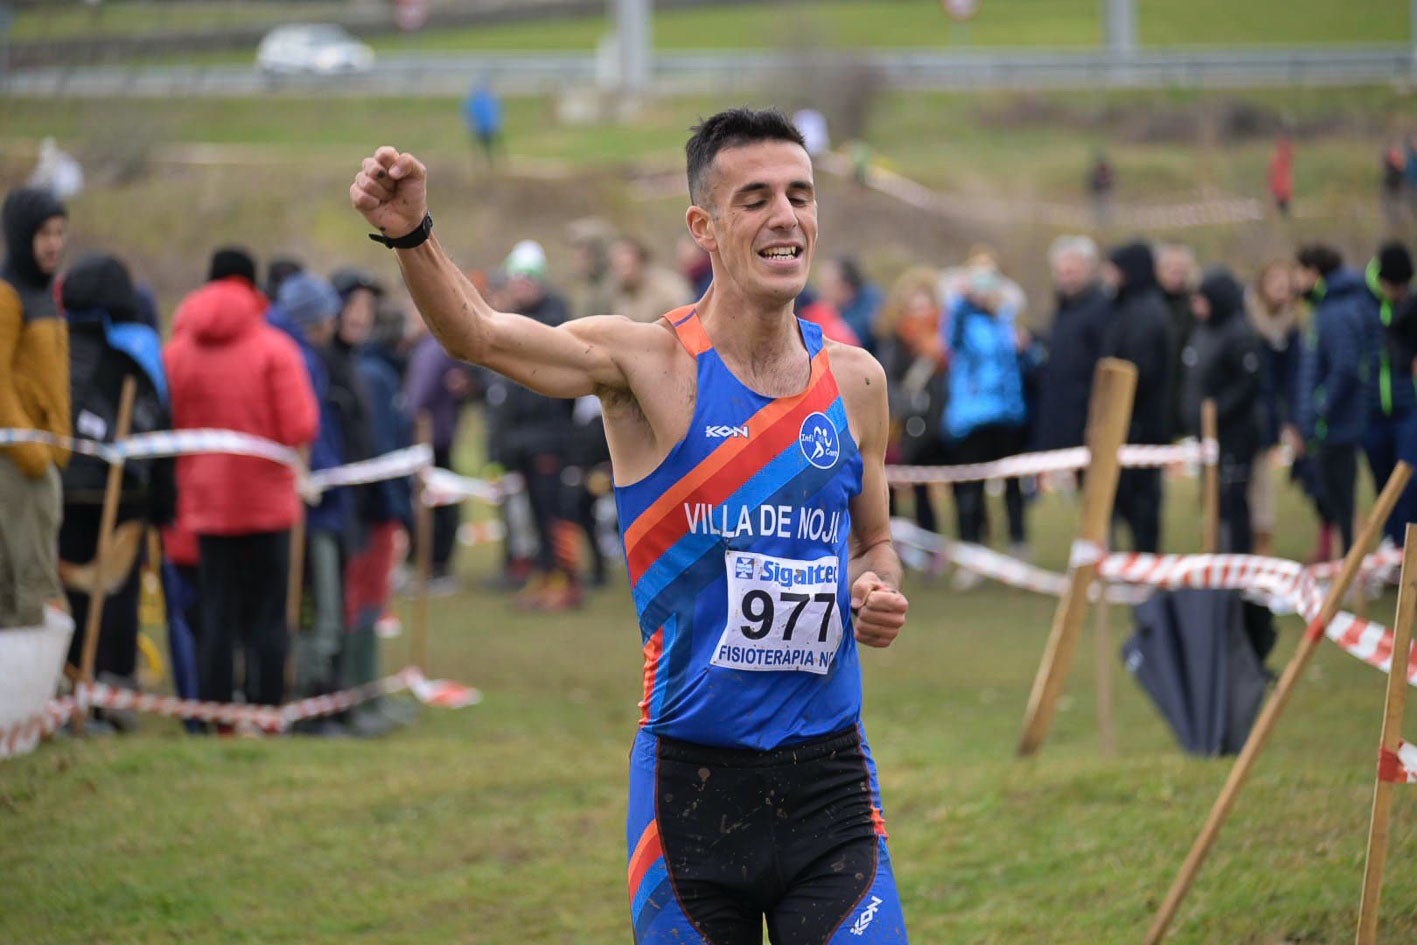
<point x="819" y="441"/>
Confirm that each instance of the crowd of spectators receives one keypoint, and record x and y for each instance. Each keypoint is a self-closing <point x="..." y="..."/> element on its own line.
<point x="1308" y="359"/>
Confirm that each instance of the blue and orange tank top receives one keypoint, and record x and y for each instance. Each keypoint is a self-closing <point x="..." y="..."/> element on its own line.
<point x="737" y="551"/>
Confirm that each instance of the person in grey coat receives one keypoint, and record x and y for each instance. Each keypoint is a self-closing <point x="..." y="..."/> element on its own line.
<point x="1073" y="344"/>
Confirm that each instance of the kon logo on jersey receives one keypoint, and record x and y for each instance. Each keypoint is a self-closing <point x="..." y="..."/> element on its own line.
<point x="722" y="432"/>
<point x="867" y="914"/>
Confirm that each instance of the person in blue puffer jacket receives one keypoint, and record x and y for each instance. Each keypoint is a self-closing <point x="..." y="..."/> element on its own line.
<point x="305" y="308"/>
<point x="1392" y="396"/>
<point x="1332" y="401"/>
<point x="985" y="415"/>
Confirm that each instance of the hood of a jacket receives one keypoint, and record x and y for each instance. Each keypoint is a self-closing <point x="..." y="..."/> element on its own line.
<point x="1137" y="266"/>
<point x="1225" y="295"/>
<point x="99" y="282"/>
<point x="24" y="212"/>
<point x="221" y="311"/>
<point x="1343" y="282"/>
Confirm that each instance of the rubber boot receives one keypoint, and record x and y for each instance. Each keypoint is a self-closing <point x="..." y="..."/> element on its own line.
<point x="361" y="665"/>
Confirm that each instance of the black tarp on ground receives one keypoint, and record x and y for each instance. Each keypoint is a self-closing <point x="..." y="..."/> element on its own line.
<point x="1194" y="653"/>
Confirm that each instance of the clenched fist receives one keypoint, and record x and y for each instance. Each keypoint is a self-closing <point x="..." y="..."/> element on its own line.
<point x="879" y="610"/>
<point x="391" y="191"/>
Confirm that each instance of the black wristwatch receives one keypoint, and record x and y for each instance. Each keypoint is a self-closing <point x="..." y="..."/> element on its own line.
<point x="417" y="237"/>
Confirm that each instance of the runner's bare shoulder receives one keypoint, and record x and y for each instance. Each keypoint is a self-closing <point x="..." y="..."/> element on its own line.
<point x="856" y="369"/>
<point x="862" y="382"/>
<point x="642" y="350"/>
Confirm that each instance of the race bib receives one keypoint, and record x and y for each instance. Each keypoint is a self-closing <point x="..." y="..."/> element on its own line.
<point x="782" y="614"/>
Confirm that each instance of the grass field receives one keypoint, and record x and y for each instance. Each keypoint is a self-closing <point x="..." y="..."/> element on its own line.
<point x="901" y="23"/>
<point x="503" y="823"/>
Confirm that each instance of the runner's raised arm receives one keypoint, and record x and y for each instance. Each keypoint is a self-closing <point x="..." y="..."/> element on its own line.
<point x="572" y="360"/>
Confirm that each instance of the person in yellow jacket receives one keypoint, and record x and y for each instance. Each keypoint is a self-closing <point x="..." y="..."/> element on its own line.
<point x="34" y="395"/>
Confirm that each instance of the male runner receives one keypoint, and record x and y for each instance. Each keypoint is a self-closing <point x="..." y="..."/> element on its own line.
<point x="749" y="473"/>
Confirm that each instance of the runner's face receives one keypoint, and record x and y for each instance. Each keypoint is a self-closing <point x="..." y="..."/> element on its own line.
<point x="763" y="223"/>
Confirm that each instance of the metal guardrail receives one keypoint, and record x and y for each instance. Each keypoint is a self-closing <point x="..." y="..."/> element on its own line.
<point x="726" y="71"/>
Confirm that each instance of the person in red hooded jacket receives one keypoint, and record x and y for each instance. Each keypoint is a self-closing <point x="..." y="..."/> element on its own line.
<point x="228" y="369"/>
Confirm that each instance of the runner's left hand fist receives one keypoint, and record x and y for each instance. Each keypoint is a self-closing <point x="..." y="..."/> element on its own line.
<point x="879" y="610"/>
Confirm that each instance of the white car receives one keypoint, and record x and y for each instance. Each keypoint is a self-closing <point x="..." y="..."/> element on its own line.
<point x="312" y="49"/>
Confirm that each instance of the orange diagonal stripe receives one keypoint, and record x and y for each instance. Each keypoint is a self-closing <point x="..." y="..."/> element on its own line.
<point x="725" y="454"/>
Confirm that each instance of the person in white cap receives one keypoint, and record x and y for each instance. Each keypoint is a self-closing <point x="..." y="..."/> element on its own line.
<point x="529" y="434"/>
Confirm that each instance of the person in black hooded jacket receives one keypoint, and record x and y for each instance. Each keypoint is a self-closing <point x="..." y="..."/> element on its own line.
<point x="108" y="343"/>
<point x="1221" y="362"/>
<point x="1139" y="331"/>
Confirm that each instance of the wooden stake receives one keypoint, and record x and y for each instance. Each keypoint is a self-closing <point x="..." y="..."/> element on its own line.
<point x="1109" y="413"/>
<point x="1102" y="645"/>
<point x="1210" y="542"/>
<point x="113" y="491"/>
<point x="1358" y="597"/>
<point x="1392" y="735"/>
<point x="422" y="555"/>
<point x="295" y="579"/>
<point x="1264" y="725"/>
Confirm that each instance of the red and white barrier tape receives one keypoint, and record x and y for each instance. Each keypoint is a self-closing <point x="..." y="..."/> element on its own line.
<point x="394" y="465"/>
<point x="1398" y="767"/>
<point x="166" y="443"/>
<point x="443" y="487"/>
<point x="161" y="444"/>
<point x="1025" y="464"/>
<point x="169" y="443"/>
<point x="1131" y="456"/>
<point x="1237" y="572"/>
<point x="1001" y="567"/>
<point x="1083" y="553"/>
<point x="1285" y="586"/>
<point x="1143" y="455"/>
<point x="22" y="737"/>
<point x="481" y="533"/>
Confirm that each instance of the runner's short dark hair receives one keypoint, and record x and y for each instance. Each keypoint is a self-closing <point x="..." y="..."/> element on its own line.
<point x="732" y="128"/>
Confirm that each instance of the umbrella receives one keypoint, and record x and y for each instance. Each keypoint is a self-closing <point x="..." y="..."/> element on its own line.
<point x="1192" y="653"/>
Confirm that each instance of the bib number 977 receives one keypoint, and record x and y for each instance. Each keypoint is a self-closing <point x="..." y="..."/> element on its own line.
<point x="783" y="614"/>
<point x="761" y="612"/>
